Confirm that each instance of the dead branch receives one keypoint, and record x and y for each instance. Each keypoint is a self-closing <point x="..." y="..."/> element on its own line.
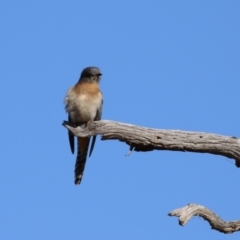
<point x="148" y="139"/>
<point x="184" y="215"/>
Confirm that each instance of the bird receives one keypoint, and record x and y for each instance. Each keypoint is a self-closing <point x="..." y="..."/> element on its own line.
<point x="83" y="103"/>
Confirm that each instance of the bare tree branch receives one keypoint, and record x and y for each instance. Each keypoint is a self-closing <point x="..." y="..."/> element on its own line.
<point x="148" y="139"/>
<point x="184" y="215"/>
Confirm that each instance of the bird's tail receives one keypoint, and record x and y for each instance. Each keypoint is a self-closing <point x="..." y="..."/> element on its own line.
<point x="81" y="158"/>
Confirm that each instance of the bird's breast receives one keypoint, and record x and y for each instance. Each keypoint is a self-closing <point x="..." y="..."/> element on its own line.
<point x="83" y="107"/>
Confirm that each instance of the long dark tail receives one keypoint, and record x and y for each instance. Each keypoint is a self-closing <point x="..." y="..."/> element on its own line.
<point x="83" y="144"/>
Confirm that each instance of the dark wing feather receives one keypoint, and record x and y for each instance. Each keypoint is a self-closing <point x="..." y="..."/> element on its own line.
<point x="92" y="145"/>
<point x="71" y="137"/>
<point x="97" y="118"/>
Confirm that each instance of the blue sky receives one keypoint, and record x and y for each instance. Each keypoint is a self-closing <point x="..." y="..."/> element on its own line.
<point x="165" y="64"/>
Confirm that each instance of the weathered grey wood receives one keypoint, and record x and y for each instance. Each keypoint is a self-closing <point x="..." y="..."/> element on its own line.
<point x="148" y="139"/>
<point x="184" y="215"/>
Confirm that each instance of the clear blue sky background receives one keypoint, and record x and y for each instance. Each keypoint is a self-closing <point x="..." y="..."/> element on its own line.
<point x="165" y="64"/>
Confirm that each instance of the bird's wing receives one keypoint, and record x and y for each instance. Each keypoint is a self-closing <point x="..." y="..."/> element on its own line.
<point x="97" y="118"/>
<point x="71" y="136"/>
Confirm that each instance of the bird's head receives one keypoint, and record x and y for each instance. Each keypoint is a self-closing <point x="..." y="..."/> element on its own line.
<point x="90" y="74"/>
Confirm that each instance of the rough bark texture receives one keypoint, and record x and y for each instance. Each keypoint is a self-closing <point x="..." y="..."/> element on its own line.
<point x="184" y="214"/>
<point x="147" y="139"/>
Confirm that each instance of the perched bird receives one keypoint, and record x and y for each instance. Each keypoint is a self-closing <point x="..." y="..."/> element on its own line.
<point x="84" y="105"/>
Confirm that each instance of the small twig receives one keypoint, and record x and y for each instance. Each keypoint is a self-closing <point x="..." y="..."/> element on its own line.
<point x="130" y="151"/>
